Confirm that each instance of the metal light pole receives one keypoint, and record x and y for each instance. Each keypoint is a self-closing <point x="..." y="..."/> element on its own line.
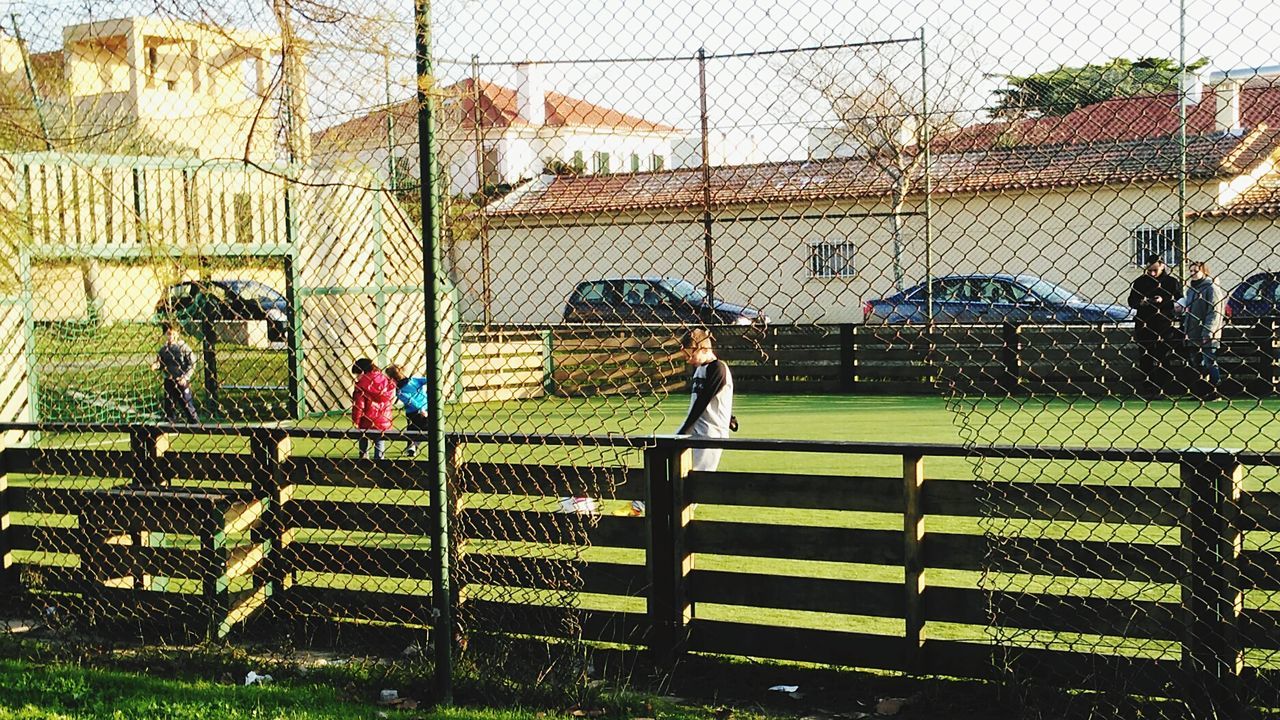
<point x="1182" y="140"/>
<point x="441" y="590"/>
<point x="926" y="140"/>
<point x="708" y="256"/>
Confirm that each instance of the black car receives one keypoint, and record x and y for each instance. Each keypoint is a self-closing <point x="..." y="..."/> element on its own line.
<point x="669" y="301"/>
<point x="996" y="298"/>
<point x="191" y="302"/>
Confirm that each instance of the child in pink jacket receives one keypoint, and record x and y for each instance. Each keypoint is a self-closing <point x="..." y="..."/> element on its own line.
<point x="371" y="404"/>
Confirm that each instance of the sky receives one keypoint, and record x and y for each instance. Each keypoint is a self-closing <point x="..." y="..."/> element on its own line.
<point x="970" y="45"/>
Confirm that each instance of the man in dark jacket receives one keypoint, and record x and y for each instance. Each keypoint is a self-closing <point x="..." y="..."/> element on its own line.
<point x="1154" y="296"/>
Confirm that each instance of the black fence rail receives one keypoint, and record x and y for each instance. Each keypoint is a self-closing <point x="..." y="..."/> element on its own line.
<point x="796" y="565"/>
<point x="870" y="359"/>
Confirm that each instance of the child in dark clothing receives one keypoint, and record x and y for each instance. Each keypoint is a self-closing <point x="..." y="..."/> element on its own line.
<point x="412" y="394"/>
<point x="371" y="404"/>
<point x="176" y="364"/>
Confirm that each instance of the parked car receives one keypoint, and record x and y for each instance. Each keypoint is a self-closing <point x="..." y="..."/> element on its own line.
<point x="653" y="300"/>
<point x="993" y="299"/>
<point x="190" y="302"/>
<point x="1256" y="298"/>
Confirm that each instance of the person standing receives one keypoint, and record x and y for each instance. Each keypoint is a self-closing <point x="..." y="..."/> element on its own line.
<point x="371" y="404"/>
<point x="1154" y="296"/>
<point x="1206" y="311"/>
<point x="711" y="405"/>
<point x="176" y="364"/>
<point x="411" y="391"/>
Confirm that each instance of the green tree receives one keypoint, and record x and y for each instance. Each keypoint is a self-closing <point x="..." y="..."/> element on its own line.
<point x="1063" y="89"/>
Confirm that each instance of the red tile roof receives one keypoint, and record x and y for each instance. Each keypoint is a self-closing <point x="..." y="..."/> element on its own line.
<point x="1136" y="118"/>
<point x="498" y="109"/>
<point x="1017" y="168"/>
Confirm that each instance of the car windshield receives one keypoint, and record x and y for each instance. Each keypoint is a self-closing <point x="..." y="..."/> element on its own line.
<point x="1050" y="292"/>
<point x="685" y="290"/>
<point x="253" y="290"/>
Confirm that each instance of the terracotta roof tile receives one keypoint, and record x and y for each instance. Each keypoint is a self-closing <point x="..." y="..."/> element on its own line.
<point x="1134" y="118"/>
<point x="498" y="108"/>
<point x="1018" y="168"/>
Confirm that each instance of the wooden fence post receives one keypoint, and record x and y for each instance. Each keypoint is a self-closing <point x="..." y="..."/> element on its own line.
<point x="148" y="444"/>
<point x="548" y="362"/>
<point x="845" y="378"/>
<point x="1272" y="348"/>
<point x="666" y="516"/>
<point x="274" y="489"/>
<point x="8" y="573"/>
<point x="913" y="561"/>
<point x="1212" y="655"/>
<point x="1009" y="352"/>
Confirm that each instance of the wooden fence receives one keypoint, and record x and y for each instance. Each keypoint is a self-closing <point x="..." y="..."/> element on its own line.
<point x="864" y="359"/>
<point x="829" y="569"/>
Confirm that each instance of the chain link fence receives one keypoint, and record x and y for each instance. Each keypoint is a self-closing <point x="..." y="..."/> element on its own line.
<point x="1034" y="245"/>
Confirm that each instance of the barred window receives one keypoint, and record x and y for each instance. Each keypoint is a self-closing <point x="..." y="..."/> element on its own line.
<point x="1165" y="242"/>
<point x="830" y="259"/>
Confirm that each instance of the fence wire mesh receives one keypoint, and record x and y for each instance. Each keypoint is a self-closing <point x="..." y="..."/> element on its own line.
<point x="1042" y="237"/>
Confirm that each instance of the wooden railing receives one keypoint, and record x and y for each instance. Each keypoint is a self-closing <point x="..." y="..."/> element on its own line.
<point x="865" y="359"/>
<point x="877" y="562"/>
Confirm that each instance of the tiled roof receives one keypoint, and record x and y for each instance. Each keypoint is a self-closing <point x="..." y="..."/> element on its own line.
<point x="1116" y="120"/>
<point x="1261" y="199"/>
<point x="498" y="109"/>
<point x="1017" y="168"/>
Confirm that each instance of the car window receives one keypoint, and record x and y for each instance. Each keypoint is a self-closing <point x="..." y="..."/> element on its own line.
<point x="993" y="291"/>
<point x="685" y="290"/>
<point x="590" y="293"/>
<point x="258" y="292"/>
<point x="639" y="292"/>
<point x="956" y="290"/>
<point x="1253" y="289"/>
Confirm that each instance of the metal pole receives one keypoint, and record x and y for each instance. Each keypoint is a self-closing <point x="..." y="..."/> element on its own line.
<point x="708" y="257"/>
<point x="1182" y="140"/>
<point x="477" y="121"/>
<point x="391" y="141"/>
<point x="926" y="140"/>
<point x="441" y="591"/>
<point x="31" y="82"/>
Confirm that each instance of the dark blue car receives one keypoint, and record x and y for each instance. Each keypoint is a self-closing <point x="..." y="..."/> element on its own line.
<point x="1256" y="298"/>
<point x="992" y="299"/>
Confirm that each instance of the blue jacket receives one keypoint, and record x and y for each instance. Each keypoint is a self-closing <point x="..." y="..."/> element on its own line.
<point x="412" y="393"/>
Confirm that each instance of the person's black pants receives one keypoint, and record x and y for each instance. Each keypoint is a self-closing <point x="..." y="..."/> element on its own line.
<point x="178" y="404"/>
<point x="1155" y="361"/>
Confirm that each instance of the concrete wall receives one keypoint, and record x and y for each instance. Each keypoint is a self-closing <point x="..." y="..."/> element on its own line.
<point x="1082" y="238"/>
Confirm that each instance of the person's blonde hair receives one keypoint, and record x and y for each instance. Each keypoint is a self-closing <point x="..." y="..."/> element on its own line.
<point x="696" y="339"/>
<point x="395" y="373"/>
<point x="1203" y="265"/>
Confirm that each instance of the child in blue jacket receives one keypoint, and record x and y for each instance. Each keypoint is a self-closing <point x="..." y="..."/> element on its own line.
<point x="412" y="394"/>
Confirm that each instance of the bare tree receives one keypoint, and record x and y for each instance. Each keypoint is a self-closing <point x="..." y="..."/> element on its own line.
<point x="887" y="102"/>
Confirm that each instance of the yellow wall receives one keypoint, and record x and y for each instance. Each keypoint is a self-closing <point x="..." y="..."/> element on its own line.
<point x="1081" y="237"/>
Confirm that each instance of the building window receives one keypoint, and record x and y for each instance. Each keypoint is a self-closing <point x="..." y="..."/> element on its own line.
<point x="831" y="259"/>
<point x="635" y="163"/>
<point x="600" y="163"/>
<point x="657" y="162"/>
<point x="244" y="217"/>
<point x="579" y="164"/>
<point x="1165" y="242"/>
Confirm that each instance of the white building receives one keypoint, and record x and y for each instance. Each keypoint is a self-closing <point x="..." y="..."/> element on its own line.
<point x="490" y="135"/>
<point x="156" y="86"/>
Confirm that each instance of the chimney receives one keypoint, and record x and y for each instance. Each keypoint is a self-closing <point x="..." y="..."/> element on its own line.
<point x="1191" y="87"/>
<point x="1227" y="113"/>
<point x="531" y="94"/>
